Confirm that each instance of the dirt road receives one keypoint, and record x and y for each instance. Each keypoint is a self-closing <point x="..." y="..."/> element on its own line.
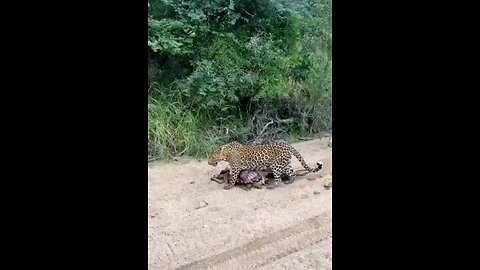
<point x="193" y="223"/>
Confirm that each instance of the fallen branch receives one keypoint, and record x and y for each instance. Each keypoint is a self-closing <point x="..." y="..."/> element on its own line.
<point x="203" y="206"/>
<point x="296" y="173"/>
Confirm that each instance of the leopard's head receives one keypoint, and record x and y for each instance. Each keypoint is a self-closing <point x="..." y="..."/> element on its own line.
<point x="221" y="153"/>
<point x="216" y="155"/>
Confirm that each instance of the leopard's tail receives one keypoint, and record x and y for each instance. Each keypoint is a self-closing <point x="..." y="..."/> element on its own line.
<point x="302" y="161"/>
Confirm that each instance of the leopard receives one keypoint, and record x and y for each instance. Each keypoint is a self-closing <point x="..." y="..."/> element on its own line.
<point x="276" y="156"/>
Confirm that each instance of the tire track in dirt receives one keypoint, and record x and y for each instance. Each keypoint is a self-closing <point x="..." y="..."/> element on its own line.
<point x="267" y="249"/>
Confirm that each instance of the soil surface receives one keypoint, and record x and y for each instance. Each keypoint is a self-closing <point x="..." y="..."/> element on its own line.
<point x="193" y="223"/>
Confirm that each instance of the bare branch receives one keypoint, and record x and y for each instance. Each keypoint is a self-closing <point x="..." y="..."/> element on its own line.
<point x="298" y="173"/>
<point x="265" y="127"/>
<point x="285" y="121"/>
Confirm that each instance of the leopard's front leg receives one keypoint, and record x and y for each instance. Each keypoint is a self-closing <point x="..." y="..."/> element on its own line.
<point x="234" y="171"/>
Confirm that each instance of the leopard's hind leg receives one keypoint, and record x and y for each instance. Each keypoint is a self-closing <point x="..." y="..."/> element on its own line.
<point x="288" y="171"/>
<point x="277" y="172"/>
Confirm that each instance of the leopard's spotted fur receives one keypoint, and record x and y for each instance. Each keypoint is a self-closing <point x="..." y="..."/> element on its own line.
<point x="276" y="156"/>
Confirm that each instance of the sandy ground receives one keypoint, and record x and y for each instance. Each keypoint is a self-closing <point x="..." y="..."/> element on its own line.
<point x="193" y="223"/>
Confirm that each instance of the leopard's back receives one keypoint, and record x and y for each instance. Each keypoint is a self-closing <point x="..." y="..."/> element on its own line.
<point x="256" y="157"/>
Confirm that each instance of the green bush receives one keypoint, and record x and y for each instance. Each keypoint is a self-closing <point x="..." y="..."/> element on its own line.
<point x="236" y="69"/>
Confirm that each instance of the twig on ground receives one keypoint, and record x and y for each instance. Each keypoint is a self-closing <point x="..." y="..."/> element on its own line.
<point x="297" y="173"/>
<point x="202" y="206"/>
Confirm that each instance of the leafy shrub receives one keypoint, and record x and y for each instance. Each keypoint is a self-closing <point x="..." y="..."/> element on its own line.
<point x="237" y="69"/>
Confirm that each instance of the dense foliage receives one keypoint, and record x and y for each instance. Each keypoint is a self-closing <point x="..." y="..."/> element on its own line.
<point x="245" y="69"/>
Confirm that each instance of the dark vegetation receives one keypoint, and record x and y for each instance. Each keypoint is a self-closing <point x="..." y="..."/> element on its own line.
<point x="237" y="69"/>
